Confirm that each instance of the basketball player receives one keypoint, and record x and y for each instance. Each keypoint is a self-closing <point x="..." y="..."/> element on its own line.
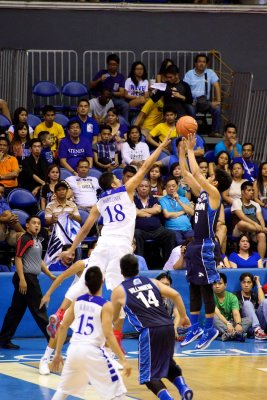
<point x="142" y="300"/>
<point x="87" y="361"/>
<point x="204" y="252"/>
<point x="117" y="208"/>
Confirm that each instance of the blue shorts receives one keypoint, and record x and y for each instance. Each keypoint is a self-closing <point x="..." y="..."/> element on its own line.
<point x="201" y="259"/>
<point x="156" y="348"/>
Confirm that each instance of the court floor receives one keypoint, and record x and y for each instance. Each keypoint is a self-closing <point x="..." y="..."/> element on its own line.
<point x="229" y="370"/>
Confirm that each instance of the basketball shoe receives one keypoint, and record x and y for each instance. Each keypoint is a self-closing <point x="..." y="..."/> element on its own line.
<point x="192" y="334"/>
<point x="208" y="336"/>
<point x="54" y="321"/>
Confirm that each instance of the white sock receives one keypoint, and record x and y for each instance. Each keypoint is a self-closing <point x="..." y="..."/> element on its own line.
<point x="59" y="396"/>
<point x="48" y="353"/>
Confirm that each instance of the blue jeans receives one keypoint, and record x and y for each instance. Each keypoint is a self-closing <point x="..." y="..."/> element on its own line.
<point x="215" y="113"/>
<point x="259" y="316"/>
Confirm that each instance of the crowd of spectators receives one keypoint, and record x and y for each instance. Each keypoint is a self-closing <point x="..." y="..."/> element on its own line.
<point x="101" y="136"/>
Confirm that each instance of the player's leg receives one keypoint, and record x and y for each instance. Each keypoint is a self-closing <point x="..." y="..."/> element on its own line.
<point x="210" y="332"/>
<point x="159" y="389"/>
<point x="195" y="306"/>
<point x="46" y="358"/>
<point x="175" y="376"/>
<point x="55" y="319"/>
<point x="59" y="396"/>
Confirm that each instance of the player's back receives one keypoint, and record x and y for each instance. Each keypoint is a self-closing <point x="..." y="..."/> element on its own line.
<point x="118" y="212"/>
<point x="144" y="305"/>
<point x="205" y="218"/>
<point x="87" y="325"/>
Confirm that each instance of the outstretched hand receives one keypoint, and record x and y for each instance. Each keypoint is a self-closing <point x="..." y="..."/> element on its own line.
<point x="191" y="141"/>
<point x="166" y="141"/>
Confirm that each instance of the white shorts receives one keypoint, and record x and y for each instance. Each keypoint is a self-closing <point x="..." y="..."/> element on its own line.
<point x="106" y="255"/>
<point x="90" y="364"/>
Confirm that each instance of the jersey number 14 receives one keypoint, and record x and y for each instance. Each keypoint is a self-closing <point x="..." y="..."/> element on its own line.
<point x="151" y="299"/>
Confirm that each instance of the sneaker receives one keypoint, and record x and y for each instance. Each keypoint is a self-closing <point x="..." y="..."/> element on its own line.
<point x="239" y="337"/>
<point x="226" y="337"/>
<point x="260" y="334"/>
<point x="43" y="367"/>
<point x="54" y="321"/>
<point x="191" y="335"/>
<point x="208" y="336"/>
<point x="186" y="393"/>
<point x="9" y="345"/>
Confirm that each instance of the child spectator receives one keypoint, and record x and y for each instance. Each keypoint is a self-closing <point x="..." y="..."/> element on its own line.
<point x="56" y="130"/>
<point x="105" y="151"/>
<point x="20" y="117"/>
<point x="245" y="257"/>
<point x="20" y="145"/>
<point x="155" y="179"/>
<point x="46" y="152"/>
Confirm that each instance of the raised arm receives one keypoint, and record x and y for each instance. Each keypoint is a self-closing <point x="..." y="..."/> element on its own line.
<point x="188" y="177"/>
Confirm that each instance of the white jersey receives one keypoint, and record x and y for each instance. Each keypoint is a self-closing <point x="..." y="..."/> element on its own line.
<point x="119" y="214"/>
<point x="87" y="326"/>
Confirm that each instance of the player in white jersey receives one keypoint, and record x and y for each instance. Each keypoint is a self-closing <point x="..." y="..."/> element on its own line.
<point x="90" y="317"/>
<point x="117" y="208"/>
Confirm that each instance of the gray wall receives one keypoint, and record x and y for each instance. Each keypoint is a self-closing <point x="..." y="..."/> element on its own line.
<point x="241" y="38"/>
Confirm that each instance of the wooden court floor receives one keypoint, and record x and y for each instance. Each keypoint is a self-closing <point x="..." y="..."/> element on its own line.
<point x="231" y="375"/>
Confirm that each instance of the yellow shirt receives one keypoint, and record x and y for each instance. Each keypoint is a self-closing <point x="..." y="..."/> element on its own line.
<point x="153" y="113"/>
<point x="162" y="130"/>
<point x="56" y="131"/>
<point x="7" y="165"/>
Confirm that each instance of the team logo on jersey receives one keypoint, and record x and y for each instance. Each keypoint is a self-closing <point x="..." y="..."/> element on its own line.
<point x="137" y="281"/>
<point x="200" y="275"/>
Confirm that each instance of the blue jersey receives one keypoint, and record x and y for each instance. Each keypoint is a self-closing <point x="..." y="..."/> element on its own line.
<point x="205" y="218"/>
<point x="144" y="305"/>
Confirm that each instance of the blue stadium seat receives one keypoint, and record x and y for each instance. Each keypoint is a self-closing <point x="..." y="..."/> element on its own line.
<point x="264" y="214"/>
<point x="4" y="122"/>
<point x="61" y="119"/>
<point x="41" y="215"/>
<point x="210" y="156"/>
<point x="73" y="89"/>
<point x="22" y="216"/>
<point x="95" y="172"/>
<point x="23" y="200"/>
<point x="64" y="173"/>
<point x="33" y="120"/>
<point x="46" y="89"/>
<point x="118" y="173"/>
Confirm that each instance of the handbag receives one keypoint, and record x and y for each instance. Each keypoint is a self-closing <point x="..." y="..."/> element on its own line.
<point x="202" y="102"/>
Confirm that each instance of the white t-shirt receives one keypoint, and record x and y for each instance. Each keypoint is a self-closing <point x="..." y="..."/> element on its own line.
<point x="98" y="111"/>
<point x="235" y="189"/>
<point x="139" y="153"/>
<point x="84" y="190"/>
<point x="136" y="90"/>
<point x="11" y="129"/>
<point x="174" y="257"/>
<point x="237" y="205"/>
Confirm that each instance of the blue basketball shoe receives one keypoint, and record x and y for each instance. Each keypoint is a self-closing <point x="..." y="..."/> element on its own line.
<point x="185" y="392"/>
<point x="192" y="334"/>
<point x="208" y="336"/>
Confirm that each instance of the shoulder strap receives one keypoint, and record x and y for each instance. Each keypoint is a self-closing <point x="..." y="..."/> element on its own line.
<point x="206" y="84"/>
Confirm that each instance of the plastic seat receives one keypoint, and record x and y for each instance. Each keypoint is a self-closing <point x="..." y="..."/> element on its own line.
<point x="41" y="215"/>
<point x="73" y="89"/>
<point x="62" y="120"/>
<point x="22" y="216"/>
<point x="95" y="173"/>
<point x="64" y="173"/>
<point x="46" y="89"/>
<point x="4" y="122"/>
<point x="33" y="120"/>
<point x="118" y="173"/>
<point x="22" y="199"/>
<point x="210" y="156"/>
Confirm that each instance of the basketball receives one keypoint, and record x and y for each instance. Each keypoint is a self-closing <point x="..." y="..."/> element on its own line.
<point x="186" y="125"/>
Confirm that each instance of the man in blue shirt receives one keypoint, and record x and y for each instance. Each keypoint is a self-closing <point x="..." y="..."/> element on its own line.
<point x="89" y="126"/>
<point x="201" y="81"/>
<point x="74" y="148"/>
<point x="251" y="169"/>
<point x="229" y="143"/>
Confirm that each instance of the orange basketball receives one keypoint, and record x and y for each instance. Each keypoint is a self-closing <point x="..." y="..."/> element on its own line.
<point x="186" y="125"/>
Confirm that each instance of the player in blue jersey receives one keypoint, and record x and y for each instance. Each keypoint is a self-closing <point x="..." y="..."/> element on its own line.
<point x="203" y="254"/>
<point x="117" y="208"/>
<point x="142" y="300"/>
<point x="90" y="317"/>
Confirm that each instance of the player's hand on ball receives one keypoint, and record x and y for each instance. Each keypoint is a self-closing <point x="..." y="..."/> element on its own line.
<point x="191" y="141"/>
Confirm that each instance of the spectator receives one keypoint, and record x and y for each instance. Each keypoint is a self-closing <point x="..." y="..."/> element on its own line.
<point x="4" y="109"/>
<point x="10" y="228"/>
<point x="105" y="151"/>
<point x="133" y="151"/>
<point x="177" y="212"/>
<point x="20" y="145"/>
<point x="113" y="81"/>
<point x="150" y="116"/>
<point x="245" y="257"/>
<point x="74" y="148"/>
<point x="142" y="265"/>
<point x="183" y="188"/>
<point x="250" y="168"/>
<point x="230" y="142"/>
<point x="84" y="187"/>
<point x="9" y="167"/>
<point x="177" y="259"/>
<point x="128" y="172"/>
<point x="202" y="80"/>
<point x="136" y="86"/>
<point x="99" y="106"/>
<point x="203" y="165"/>
<point x="46" y="152"/>
<point x="247" y="217"/>
<point x="27" y="291"/>
<point x="65" y="262"/>
<point x="253" y="304"/>
<point x="161" y="130"/>
<point x="56" y="130"/>
<point x="34" y="169"/>
<point x="177" y="94"/>
<point x="47" y="193"/>
<point x="148" y="223"/>
<point x="164" y="65"/>
<point x="119" y="130"/>
<point x="260" y="186"/>
<point x="20" y="117"/>
<point x="227" y="317"/>
<point x="155" y="178"/>
<point x="61" y="205"/>
<point x="234" y="191"/>
<point x="222" y="161"/>
<point x="89" y="127"/>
